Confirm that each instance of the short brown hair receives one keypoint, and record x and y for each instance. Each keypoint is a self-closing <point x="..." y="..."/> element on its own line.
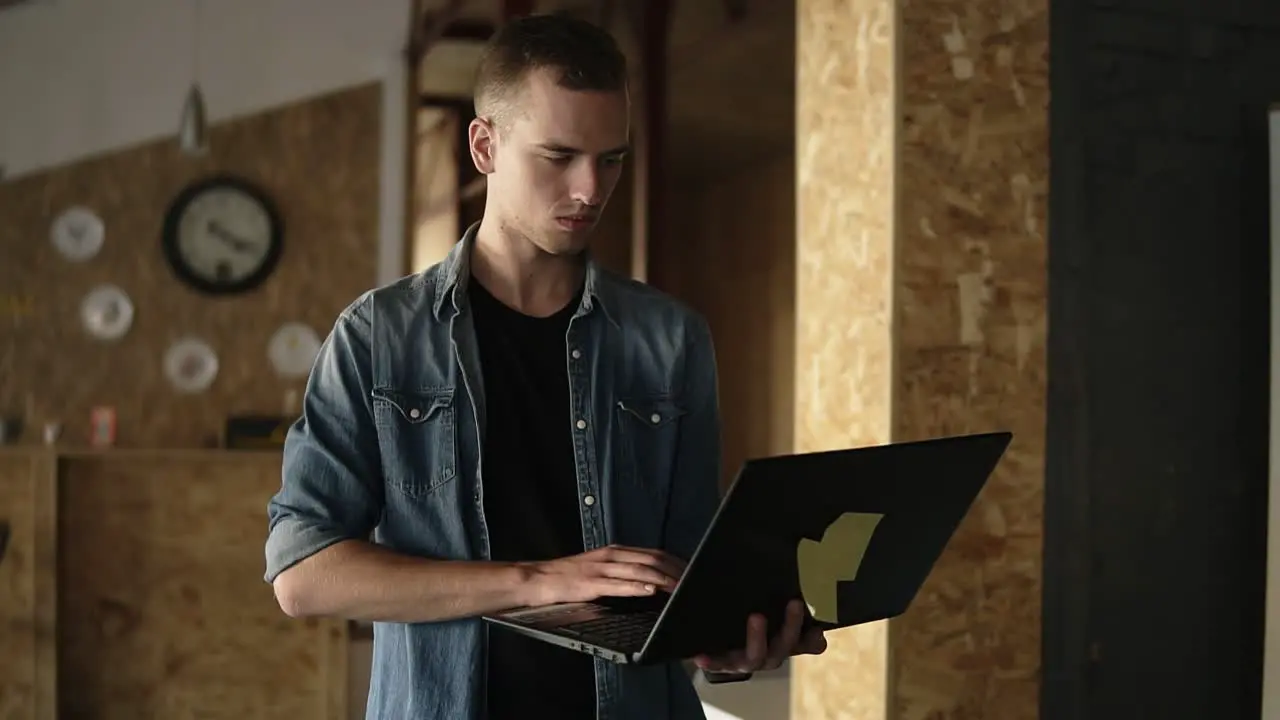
<point x="583" y="55"/>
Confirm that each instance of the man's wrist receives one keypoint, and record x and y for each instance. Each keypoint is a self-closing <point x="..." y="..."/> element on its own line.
<point x="525" y="584"/>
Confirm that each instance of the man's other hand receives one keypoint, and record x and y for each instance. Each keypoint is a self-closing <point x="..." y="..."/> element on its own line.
<point x="761" y="653"/>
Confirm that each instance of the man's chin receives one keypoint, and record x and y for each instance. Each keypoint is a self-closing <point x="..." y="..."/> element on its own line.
<point x="564" y="242"/>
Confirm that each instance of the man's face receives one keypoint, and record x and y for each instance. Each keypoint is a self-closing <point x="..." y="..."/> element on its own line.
<point x="552" y="166"/>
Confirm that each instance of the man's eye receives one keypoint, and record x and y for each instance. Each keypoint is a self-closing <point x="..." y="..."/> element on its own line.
<point x="558" y="158"/>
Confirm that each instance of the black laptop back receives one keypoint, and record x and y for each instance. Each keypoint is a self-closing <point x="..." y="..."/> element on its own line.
<point x="894" y="506"/>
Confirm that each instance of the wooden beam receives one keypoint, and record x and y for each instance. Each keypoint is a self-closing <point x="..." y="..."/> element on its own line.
<point x="427" y="28"/>
<point x="649" y="201"/>
<point x="516" y="8"/>
<point x="413" y="58"/>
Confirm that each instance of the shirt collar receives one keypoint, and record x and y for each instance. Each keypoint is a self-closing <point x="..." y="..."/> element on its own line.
<point x="457" y="273"/>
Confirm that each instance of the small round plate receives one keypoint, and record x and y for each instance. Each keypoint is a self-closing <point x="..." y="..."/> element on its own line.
<point x="292" y="350"/>
<point x="77" y="233"/>
<point x="106" y="312"/>
<point x="191" y="365"/>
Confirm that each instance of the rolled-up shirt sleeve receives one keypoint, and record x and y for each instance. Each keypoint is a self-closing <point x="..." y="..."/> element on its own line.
<point x="331" y="487"/>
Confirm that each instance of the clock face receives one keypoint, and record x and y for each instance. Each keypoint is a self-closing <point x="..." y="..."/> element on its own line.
<point x="222" y="236"/>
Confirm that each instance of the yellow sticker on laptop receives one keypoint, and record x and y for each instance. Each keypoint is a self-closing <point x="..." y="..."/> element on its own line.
<point x="835" y="559"/>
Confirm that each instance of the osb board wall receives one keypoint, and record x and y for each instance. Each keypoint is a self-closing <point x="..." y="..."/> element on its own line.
<point x="162" y="610"/>
<point x="733" y="260"/>
<point x="845" y="225"/>
<point x="28" y="602"/>
<point x="972" y="304"/>
<point x="318" y="160"/>
<point x="938" y="182"/>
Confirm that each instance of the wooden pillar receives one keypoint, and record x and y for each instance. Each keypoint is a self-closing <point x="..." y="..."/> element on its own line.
<point x="921" y="151"/>
<point x="649" y="101"/>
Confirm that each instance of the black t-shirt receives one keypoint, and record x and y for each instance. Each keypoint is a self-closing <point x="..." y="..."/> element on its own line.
<point x="530" y="497"/>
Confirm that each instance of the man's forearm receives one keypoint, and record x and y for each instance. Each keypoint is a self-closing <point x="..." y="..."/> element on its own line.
<point x="358" y="580"/>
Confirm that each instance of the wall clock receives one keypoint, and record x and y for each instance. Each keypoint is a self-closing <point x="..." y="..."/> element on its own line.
<point x="222" y="235"/>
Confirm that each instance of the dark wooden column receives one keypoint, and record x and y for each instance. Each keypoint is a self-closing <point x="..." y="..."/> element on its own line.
<point x="649" y="171"/>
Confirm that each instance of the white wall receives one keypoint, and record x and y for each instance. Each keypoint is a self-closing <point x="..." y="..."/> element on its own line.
<point x="82" y="77"/>
<point x="1271" y="669"/>
<point x="79" y="77"/>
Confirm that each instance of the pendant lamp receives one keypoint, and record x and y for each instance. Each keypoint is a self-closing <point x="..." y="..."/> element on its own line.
<point x="193" y="132"/>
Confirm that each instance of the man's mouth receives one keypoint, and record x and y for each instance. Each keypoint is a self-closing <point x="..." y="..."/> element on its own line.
<point x="575" y="222"/>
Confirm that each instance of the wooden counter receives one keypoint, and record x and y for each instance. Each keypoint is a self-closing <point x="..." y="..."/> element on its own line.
<point x="133" y="588"/>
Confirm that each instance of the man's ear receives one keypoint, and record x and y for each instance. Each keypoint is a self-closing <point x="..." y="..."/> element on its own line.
<point x="482" y="140"/>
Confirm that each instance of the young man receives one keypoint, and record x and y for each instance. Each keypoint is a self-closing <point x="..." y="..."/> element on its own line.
<point x="515" y="427"/>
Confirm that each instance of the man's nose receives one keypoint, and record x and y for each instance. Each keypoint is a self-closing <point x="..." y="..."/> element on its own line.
<point x="585" y="188"/>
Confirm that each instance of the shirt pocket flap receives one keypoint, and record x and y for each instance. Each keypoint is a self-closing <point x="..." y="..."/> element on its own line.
<point x="654" y="412"/>
<point x="415" y="406"/>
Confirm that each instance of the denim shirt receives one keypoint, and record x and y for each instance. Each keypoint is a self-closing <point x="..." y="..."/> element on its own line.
<point x="389" y="443"/>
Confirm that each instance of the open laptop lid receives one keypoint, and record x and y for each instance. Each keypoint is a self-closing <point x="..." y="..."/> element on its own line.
<point x="854" y="532"/>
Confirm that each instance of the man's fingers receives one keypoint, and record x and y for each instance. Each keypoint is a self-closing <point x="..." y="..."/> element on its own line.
<point x="642" y="565"/>
<point x="814" y="642"/>
<point x="636" y="573"/>
<point x="668" y="564"/>
<point x="757" y="647"/>
<point x="612" y="587"/>
<point x="785" y="642"/>
<point x="671" y="566"/>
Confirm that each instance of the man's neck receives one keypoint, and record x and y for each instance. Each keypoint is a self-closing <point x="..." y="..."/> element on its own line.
<point x="521" y="275"/>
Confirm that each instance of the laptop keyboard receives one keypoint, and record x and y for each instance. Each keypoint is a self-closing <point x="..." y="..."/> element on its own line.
<point x="626" y="632"/>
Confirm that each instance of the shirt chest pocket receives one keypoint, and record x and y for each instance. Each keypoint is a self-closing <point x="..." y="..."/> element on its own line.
<point x="417" y="433"/>
<point x="650" y="432"/>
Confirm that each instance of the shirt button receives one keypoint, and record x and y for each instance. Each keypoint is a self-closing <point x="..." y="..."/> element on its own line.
<point x="414" y="413"/>
<point x="589" y="500"/>
<point x="576" y="353"/>
<point x="655" y="418"/>
<point x="582" y="424"/>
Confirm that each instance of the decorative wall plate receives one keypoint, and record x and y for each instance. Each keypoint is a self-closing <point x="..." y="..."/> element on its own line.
<point x="191" y="365"/>
<point x="293" y="349"/>
<point x="77" y="233"/>
<point x="106" y="312"/>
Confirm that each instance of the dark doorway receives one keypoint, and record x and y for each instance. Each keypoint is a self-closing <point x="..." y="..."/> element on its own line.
<point x="1156" y="487"/>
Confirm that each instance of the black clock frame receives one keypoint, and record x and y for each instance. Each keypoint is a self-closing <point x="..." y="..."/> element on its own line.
<point x="172" y="223"/>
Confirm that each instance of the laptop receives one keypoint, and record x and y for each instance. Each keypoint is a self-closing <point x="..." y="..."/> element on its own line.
<point x="854" y="533"/>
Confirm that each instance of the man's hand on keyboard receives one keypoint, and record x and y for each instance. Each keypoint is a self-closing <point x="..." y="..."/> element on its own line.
<point x="613" y="571"/>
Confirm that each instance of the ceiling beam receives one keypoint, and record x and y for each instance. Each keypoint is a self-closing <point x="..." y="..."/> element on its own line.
<point x="516" y="8"/>
<point x="430" y="29"/>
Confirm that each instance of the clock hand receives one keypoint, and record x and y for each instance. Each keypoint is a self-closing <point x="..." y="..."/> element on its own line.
<point x="235" y="242"/>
